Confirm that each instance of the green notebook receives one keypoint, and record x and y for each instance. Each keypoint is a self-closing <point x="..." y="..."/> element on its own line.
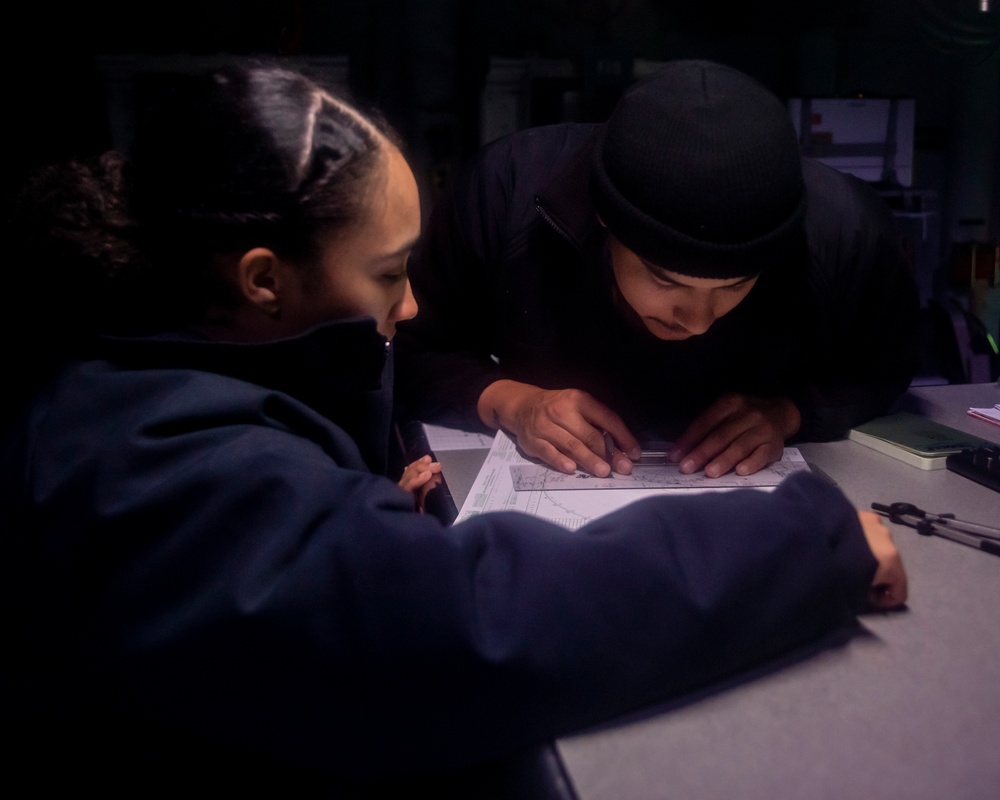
<point x="916" y="440"/>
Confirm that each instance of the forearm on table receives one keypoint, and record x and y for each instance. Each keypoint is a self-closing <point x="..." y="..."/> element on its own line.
<point x="495" y="399"/>
<point x="829" y="412"/>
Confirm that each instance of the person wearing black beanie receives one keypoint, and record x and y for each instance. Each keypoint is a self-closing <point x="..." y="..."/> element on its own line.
<point x="679" y="271"/>
<point x="698" y="169"/>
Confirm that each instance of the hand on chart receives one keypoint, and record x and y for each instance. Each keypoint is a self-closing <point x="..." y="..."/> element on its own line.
<point x="888" y="589"/>
<point x="565" y="428"/>
<point x="736" y="431"/>
<point x="420" y="477"/>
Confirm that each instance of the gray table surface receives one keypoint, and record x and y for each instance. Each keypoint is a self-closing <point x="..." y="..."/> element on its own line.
<point x="909" y="708"/>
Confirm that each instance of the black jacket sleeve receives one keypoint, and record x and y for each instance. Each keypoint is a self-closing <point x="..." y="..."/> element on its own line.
<point x="443" y="356"/>
<point x="474" y="271"/>
<point x="252" y="592"/>
<point x="862" y="334"/>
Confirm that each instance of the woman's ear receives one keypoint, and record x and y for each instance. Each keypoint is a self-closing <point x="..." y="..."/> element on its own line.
<point x="260" y="278"/>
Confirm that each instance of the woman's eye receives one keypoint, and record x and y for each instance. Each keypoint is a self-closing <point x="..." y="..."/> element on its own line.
<point x="394" y="277"/>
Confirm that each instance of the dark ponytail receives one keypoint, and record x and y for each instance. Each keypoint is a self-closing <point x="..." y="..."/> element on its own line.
<point x="74" y="270"/>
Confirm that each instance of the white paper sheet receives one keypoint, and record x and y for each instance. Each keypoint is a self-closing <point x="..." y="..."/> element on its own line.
<point x="987" y="414"/>
<point x="441" y="438"/>
<point x="494" y="490"/>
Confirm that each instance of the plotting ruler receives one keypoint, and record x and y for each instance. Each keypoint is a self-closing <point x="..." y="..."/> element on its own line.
<point x="536" y="478"/>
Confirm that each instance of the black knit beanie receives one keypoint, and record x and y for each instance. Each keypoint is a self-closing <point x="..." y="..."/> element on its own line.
<point x="698" y="171"/>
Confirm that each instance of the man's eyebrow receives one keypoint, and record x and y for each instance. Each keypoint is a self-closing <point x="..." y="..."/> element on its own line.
<point x="740" y="282"/>
<point x="660" y="272"/>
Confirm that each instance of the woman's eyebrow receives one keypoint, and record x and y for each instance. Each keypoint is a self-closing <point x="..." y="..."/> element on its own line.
<point x="406" y="247"/>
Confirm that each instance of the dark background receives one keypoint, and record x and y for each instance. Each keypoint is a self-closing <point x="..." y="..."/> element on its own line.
<point x="424" y="63"/>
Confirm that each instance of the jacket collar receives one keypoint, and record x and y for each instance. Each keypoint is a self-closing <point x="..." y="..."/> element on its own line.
<point x="329" y="363"/>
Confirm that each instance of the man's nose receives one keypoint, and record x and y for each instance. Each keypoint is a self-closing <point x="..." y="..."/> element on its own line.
<point x="697" y="315"/>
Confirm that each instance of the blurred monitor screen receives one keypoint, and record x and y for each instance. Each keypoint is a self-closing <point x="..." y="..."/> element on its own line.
<point x="869" y="138"/>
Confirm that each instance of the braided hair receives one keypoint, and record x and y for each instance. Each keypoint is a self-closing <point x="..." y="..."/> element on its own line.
<point x="223" y="162"/>
<point x="243" y="158"/>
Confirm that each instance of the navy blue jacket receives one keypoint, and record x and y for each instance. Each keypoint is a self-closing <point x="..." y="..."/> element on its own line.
<point x="514" y="281"/>
<point x="203" y="581"/>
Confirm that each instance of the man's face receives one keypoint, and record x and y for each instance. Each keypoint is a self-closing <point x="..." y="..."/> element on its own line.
<point x="673" y="306"/>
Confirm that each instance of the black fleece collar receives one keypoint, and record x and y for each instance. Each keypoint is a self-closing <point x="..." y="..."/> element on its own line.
<point x="326" y="363"/>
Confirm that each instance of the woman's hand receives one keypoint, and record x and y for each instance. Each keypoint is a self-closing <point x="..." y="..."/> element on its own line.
<point x="888" y="589"/>
<point x="420" y="477"/>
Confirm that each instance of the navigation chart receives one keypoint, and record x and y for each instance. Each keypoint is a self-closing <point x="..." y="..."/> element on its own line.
<point x="510" y="482"/>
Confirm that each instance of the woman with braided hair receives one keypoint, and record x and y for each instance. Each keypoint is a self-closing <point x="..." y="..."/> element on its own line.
<point x="209" y="581"/>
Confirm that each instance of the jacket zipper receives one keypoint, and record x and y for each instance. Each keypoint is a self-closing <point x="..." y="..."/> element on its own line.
<point x="552" y="224"/>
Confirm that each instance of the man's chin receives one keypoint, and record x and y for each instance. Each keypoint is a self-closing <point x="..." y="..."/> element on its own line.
<point x="667" y="332"/>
